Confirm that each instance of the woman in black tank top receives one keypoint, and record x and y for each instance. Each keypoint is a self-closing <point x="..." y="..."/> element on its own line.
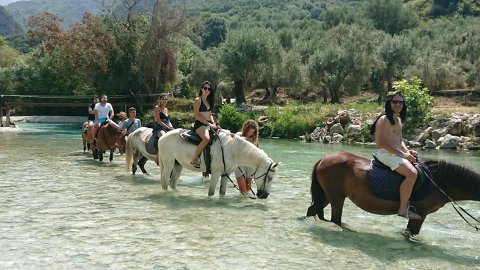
<point x="202" y="108"/>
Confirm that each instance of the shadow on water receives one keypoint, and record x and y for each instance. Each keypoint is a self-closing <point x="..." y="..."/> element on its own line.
<point x="174" y="200"/>
<point x="381" y="247"/>
<point x="138" y="179"/>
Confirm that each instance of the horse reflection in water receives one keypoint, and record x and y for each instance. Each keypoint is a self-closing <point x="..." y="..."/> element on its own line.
<point x="108" y="138"/>
<point x="228" y="152"/>
<point x="341" y="175"/>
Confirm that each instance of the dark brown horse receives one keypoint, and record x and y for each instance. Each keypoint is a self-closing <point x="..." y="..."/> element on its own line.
<point x="341" y="175"/>
<point x="108" y="138"/>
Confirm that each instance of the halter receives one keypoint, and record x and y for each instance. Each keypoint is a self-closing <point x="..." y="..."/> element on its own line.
<point x="264" y="175"/>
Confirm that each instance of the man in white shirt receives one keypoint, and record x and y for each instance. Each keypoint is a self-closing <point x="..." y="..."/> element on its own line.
<point x="103" y="115"/>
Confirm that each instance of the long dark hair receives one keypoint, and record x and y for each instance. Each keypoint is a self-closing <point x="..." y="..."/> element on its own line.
<point x="211" y="96"/>
<point x="389" y="112"/>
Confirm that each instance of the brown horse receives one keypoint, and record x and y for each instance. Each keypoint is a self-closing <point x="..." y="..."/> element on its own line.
<point x="108" y="138"/>
<point x="86" y="143"/>
<point x="341" y="175"/>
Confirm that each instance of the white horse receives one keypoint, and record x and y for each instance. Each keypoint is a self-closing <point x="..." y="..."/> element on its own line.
<point x="135" y="149"/>
<point x="227" y="154"/>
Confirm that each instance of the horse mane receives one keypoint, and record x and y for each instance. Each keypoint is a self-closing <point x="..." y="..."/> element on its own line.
<point x="249" y="148"/>
<point x="448" y="172"/>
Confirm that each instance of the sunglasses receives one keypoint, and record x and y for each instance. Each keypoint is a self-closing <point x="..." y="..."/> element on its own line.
<point x="164" y="98"/>
<point x="207" y="88"/>
<point x="400" y="102"/>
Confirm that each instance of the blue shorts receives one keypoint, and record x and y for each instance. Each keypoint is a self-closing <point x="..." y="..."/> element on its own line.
<point x="102" y="120"/>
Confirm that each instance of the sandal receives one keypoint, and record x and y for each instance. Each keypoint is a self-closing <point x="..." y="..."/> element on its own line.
<point x="196" y="163"/>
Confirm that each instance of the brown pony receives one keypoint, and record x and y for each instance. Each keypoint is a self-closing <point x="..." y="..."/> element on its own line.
<point x="340" y="175"/>
<point x="85" y="141"/>
<point x="108" y="138"/>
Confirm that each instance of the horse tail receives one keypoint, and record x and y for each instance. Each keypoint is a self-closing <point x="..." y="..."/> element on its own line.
<point x="129" y="151"/>
<point x="318" y="196"/>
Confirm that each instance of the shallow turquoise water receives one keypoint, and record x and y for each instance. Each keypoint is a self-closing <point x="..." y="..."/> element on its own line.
<point x="60" y="209"/>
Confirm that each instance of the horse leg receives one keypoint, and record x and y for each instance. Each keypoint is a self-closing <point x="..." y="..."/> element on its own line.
<point x="141" y="164"/>
<point x="336" y="202"/>
<point x="213" y="183"/>
<point x="414" y="225"/>
<point x="223" y="185"/>
<point x="166" y="167"/>
<point x="111" y="155"/>
<point x="100" y="155"/>
<point x="177" y="171"/>
<point x="319" y="200"/>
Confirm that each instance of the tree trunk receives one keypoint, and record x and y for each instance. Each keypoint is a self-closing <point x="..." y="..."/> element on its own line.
<point x="325" y="94"/>
<point x="382" y="91"/>
<point x="273" y="95"/>
<point x="239" y="90"/>
<point x="334" y="93"/>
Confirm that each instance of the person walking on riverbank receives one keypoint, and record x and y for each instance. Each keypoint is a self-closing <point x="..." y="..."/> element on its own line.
<point x="392" y="150"/>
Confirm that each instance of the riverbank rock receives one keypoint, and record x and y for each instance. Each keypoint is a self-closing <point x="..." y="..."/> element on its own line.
<point x="429" y="144"/>
<point x="472" y="143"/>
<point x="449" y="142"/>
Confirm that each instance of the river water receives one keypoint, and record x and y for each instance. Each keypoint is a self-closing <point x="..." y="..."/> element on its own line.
<point x="60" y="209"/>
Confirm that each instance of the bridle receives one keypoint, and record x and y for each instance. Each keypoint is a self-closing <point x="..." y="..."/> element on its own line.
<point x="264" y="175"/>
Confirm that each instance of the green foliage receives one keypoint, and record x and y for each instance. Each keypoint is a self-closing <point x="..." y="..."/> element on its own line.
<point x="417" y="97"/>
<point x="291" y="121"/>
<point x="230" y="118"/>
<point x="390" y="16"/>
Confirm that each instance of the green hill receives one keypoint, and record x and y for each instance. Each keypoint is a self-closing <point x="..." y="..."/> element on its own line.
<point x="7" y="25"/>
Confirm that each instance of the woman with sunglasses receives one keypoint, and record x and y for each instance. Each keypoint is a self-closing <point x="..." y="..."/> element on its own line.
<point x="392" y="150"/>
<point x="204" y="121"/>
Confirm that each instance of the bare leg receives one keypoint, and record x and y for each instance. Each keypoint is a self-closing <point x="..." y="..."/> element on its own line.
<point x="248" y="182"/>
<point x="410" y="173"/>
<point x="203" y="133"/>
<point x="242" y="184"/>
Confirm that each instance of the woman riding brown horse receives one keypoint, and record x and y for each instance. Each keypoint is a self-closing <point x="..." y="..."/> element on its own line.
<point x="341" y="175"/>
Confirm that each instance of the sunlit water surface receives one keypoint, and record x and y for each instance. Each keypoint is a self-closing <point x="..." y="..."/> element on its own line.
<point x="60" y="209"/>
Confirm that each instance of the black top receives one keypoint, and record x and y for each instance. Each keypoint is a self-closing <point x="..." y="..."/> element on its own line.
<point x="91" y="117"/>
<point x="203" y="107"/>
<point x="163" y="117"/>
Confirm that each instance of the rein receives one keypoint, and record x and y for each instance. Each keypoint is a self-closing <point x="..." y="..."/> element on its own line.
<point x="455" y="205"/>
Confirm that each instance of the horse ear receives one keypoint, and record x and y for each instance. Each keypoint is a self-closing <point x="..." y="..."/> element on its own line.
<point x="275" y="165"/>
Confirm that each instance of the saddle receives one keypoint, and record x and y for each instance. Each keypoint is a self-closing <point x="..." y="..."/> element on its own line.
<point x="385" y="183"/>
<point x="191" y="136"/>
<point x="151" y="144"/>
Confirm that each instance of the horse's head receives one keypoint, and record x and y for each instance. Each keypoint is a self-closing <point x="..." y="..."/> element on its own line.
<point x="263" y="178"/>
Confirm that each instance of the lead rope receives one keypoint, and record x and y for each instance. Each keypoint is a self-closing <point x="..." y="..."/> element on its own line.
<point x="455" y="204"/>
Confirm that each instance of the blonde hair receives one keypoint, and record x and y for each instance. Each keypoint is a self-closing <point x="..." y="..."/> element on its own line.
<point x="250" y="124"/>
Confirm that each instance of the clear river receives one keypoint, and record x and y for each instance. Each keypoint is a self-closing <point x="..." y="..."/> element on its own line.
<point x="60" y="209"/>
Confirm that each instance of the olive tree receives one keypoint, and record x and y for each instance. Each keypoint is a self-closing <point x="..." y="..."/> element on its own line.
<point x="244" y="53"/>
